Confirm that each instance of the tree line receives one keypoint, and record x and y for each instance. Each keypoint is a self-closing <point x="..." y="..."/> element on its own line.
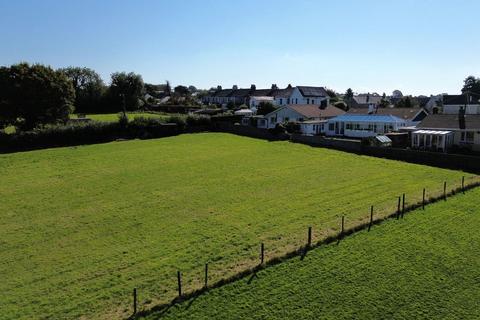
<point x="35" y="95"/>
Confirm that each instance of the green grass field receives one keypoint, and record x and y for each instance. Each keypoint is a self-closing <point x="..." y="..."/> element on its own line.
<point x="426" y="266"/>
<point x="112" y="117"/>
<point x="82" y="226"/>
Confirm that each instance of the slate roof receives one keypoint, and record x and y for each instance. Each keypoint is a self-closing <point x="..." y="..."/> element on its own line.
<point x="283" y="93"/>
<point x="312" y="91"/>
<point x="362" y="99"/>
<point x="402" y="113"/>
<point x="450" y="121"/>
<point x="315" y="111"/>
<point x="368" y="118"/>
<point x="460" y="99"/>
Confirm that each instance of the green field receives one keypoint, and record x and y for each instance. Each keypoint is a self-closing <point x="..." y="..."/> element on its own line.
<point x="112" y="117"/>
<point x="426" y="266"/>
<point x="82" y="226"/>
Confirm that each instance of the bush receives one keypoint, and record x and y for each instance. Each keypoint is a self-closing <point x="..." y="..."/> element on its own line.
<point x="198" y="120"/>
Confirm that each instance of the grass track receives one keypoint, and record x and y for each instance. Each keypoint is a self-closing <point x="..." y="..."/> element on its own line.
<point x="423" y="267"/>
<point x="82" y="226"/>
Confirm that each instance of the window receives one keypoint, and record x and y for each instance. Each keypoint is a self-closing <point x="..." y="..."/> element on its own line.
<point x="349" y="126"/>
<point x="357" y="126"/>
<point x="331" y="126"/>
<point x="308" y="101"/>
<point x="300" y="119"/>
<point x="281" y="101"/>
<point x="288" y="101"/>
<point x="296" y="101"/>
<point x="272" y="119"/>
<point x="286" y="119"/>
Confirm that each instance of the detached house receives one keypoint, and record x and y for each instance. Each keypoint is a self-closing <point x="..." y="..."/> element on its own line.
<point x="440" y="131"/>
<point x="366" y="101"/>
<point x="453" y="103"/>
<point x="299" y="114"/>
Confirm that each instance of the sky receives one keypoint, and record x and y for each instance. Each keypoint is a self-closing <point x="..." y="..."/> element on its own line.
<point x="417" y="46"/>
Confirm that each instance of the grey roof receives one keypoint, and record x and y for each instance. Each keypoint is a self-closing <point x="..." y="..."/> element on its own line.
<point x="450" y="121"/>
<point x="283" y="93"/>
<point x="402" y="113"/>
<point x="362" y="99"/>
<point x="383" y="139"/>
<point x="312" y="91"/>
<point x="367" y="118"/>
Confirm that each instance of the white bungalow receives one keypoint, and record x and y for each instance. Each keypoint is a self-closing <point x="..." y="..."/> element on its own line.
<point x="362" y="126"/>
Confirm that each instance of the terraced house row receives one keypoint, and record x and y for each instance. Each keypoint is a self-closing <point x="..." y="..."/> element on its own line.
<point x="300" y="95"/>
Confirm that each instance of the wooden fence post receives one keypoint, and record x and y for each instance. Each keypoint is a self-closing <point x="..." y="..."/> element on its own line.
<point x="445" y="190"/>
<point x="423" y="199"/>
<point x="179" y="280"/>
<point x="463" y="184"/>
<point x="403" y="205"/>
<point x="206" y="275"/>
<point x="371" y="218"/>
<point x="398" y="207"/>
<point x="134" y="301"/>
<point x="309" y="241"/>
<point x="343" y="225"/>
<point x="262" y="253"/>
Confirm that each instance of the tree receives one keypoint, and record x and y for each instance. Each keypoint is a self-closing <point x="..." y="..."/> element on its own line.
<point x="192" y="89"/>
<point x="406" y="102"/>
<point x="349" y="97"/>
<point x="471" y="85"/>
<point x="181" y="91"/>
<point x="265" y="108"/>
<point x="126" y="91"/>
<point x="34" y="95"/>
<point x="168" y="88"/>
<point x="89" y="88"/>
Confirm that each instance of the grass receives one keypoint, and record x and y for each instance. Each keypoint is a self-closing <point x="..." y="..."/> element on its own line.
<point x="423" y="267"/>
<point x="82" y="226"/>
<point x="112" y="117"/>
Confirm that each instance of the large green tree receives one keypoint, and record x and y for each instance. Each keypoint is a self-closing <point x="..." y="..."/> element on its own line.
<point x="33" y="95"/>
<point x="126" y="90"/>
<point x="89" y="89"/>
<point x="471" y="85"/>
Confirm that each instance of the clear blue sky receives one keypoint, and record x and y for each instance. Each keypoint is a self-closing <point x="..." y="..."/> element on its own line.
<point x="419" y="47"/>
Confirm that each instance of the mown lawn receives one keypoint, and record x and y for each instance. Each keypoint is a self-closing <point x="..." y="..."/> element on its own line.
<point x="82" y="226"/>
<point x="112" y="117"/>
<point x="426" y="266"/>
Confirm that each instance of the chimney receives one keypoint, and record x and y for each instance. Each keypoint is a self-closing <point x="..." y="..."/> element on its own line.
<point x="461" y="118"/>
<point x="274" y="87"/>
<point x="289" y="86"/>
<point x="253" y="88"/>
<point x="368" y="97"/>
<point x="219" y="88"/>
<point x="235" y="87"/>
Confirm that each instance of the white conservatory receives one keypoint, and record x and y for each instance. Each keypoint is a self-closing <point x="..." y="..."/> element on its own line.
<point x="435" y="140"/>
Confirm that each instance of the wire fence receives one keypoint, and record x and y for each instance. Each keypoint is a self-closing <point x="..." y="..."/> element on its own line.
<point x="186" y="284"/>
